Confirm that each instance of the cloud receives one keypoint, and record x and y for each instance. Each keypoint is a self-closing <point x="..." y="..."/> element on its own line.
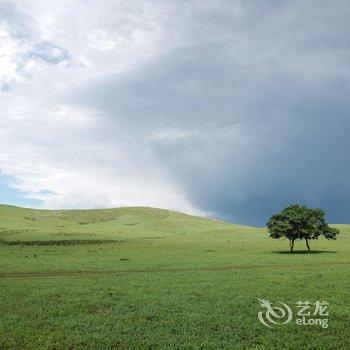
<point x="234" y="109"/>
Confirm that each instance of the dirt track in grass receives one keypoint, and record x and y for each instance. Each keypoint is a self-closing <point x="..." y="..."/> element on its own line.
<point x="81" y="273"/>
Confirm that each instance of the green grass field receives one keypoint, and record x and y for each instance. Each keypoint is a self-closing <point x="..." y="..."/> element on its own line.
<point x="143" y="278"/>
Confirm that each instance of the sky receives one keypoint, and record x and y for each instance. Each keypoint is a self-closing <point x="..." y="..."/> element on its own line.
<point x="228" y="109"/>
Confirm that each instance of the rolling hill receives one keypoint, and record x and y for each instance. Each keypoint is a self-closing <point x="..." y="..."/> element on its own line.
<point x="23" y="224"/>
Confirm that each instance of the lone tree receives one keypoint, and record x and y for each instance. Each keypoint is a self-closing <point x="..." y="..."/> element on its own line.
<point x="299" y="222"/>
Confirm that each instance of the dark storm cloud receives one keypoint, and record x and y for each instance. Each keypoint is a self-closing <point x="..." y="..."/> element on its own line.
<point x="258" y="101"/>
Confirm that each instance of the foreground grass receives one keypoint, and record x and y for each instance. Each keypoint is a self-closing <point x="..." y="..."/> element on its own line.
<point x="165" y="281"/>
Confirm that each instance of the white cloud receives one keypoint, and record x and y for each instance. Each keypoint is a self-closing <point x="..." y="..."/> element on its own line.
<point x="9" y="51"/>
<point x="55" y="150"/>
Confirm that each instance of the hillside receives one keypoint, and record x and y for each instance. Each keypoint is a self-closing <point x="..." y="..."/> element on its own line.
<point x="22" y="224"/>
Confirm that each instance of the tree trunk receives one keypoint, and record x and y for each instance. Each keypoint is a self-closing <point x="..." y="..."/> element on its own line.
<point x="308" y="245"/>
<point x="291" y="245"/>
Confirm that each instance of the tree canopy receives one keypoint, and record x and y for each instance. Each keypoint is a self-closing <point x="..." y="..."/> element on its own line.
<point x="300" y="222"/>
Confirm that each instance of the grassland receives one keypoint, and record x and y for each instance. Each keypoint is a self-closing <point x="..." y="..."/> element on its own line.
<point x="147" y="278"/>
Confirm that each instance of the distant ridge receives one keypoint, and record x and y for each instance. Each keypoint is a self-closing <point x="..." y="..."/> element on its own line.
<point x="37" y="226"/>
